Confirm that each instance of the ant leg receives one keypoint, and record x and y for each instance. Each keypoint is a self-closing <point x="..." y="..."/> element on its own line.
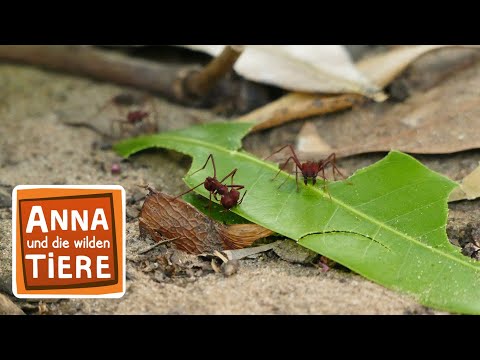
<point x="186" y="192"/>
<point x="284" y="181"/>
<point x="242" y="197"/>
<point x="210" y="198"/>
<point x="210" y="205"/>
<point x="205" y="165"/>
<point x="291" y="149"/>
<point x="236" y="187"/>
<point x="332" y="159"/>
<point x="296" y="178"/>
<point x="325" y="183"/>
<point x="283" y="166"/>
<point x="231" y="174"/>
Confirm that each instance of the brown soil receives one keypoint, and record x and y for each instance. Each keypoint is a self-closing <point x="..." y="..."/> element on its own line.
<point x="38" y="147"/>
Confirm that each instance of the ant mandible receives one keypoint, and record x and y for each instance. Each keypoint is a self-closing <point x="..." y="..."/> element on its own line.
<point x="309" y="169"/>
<point x="229" y="194"/>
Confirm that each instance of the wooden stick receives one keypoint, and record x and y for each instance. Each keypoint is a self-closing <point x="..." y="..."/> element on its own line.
<point x="199" y="83"/>
<point x="99" y="64"/>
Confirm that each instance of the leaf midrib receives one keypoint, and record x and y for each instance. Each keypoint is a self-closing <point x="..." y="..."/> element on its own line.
<point x="339" y="202"/>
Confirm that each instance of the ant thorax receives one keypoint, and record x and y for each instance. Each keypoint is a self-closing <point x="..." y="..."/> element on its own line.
<point x="222" y="189"/>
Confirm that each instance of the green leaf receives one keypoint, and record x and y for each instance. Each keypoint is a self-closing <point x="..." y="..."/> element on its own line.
<point x="215" y="211"/>
<point x="387" y="222"/>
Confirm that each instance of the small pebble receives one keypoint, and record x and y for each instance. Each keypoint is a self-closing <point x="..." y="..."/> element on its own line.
<point x="116" y="169"/>
<point x="230" y="268"/>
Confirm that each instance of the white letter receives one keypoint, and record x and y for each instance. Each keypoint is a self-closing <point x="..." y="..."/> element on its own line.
<point x="51" y="266"/>
<point x="82" y="222"/>
<point x="62" y="266"/>
<point x="99" y="213"/>
<point x="62" y="221"/>
<point x="35" y="259"/>
<point x="101" y="266"/>
<point x="40" y="222"/>
<point x="85" y="266"/>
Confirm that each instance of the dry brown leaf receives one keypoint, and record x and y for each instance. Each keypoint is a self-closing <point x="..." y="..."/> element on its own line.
<point x="310" y="142"/>
<point x="164" y="218"/>
<point x="297" y="106"/>
<point x="305" y="68"/>
<point x="381" y="69"/>
<point x="440" y="121"/>
<point x="469" y="188"/>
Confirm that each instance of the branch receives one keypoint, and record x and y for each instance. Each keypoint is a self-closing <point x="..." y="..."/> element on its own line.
<point x="199" y="83"/>
<point x="175" y="82"/>
<point x="98" y="64"/>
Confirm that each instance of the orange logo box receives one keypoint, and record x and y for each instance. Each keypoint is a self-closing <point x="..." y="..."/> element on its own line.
<point x="68" y="241"/>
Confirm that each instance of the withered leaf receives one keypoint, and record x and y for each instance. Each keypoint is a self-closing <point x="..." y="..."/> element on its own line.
<point x="469" y="188"/>
<point x="164" y="217"/>
<point x="438" y="121"/>
<point x="306" y="68"/>
<point x="382" y="69"/>
<point x="298" y="106"/>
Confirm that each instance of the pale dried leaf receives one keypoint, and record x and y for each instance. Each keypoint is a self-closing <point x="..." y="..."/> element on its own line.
<point x="381" y="69"/>
<point x="297" y="106"/>
<point x="242" y="253"/>
<point x="305" y="68"/>
<point x="7" y="307"/>
<point x="469" y="188"/>
<point x="439" y="121"/>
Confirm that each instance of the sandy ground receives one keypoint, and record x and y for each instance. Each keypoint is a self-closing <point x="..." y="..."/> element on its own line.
<point x="37" y="147"/>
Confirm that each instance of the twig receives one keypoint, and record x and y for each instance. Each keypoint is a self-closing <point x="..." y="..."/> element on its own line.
<point x="155" y="245"/>
<point x="241" y="253"/>
<point x="199" y="82"/>
<point x="171" y="81"/>
<point x="98" y="64"/>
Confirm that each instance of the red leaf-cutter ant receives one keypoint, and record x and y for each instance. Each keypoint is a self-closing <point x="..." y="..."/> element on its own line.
<point x="136" y="121"/>
<point x="309" y="169"/>
<point x="229" y="194"/>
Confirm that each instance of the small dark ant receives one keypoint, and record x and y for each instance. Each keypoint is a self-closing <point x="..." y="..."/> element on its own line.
<point x="136" y="116"/>
<point x="229" y="194"/>
<point x="134" y="122"/>
<point x="309" y="169"/>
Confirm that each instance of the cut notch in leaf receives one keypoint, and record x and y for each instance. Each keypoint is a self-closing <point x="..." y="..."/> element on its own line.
<point x="387" y="222"/>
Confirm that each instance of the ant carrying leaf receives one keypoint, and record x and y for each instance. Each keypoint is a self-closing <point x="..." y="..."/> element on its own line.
<point x="309" y="169"/>
<point x="229" y="194"/>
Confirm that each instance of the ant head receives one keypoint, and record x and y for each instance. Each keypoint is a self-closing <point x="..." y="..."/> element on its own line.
<point x="210" y="184"/>
<point x="310" y="169"/>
